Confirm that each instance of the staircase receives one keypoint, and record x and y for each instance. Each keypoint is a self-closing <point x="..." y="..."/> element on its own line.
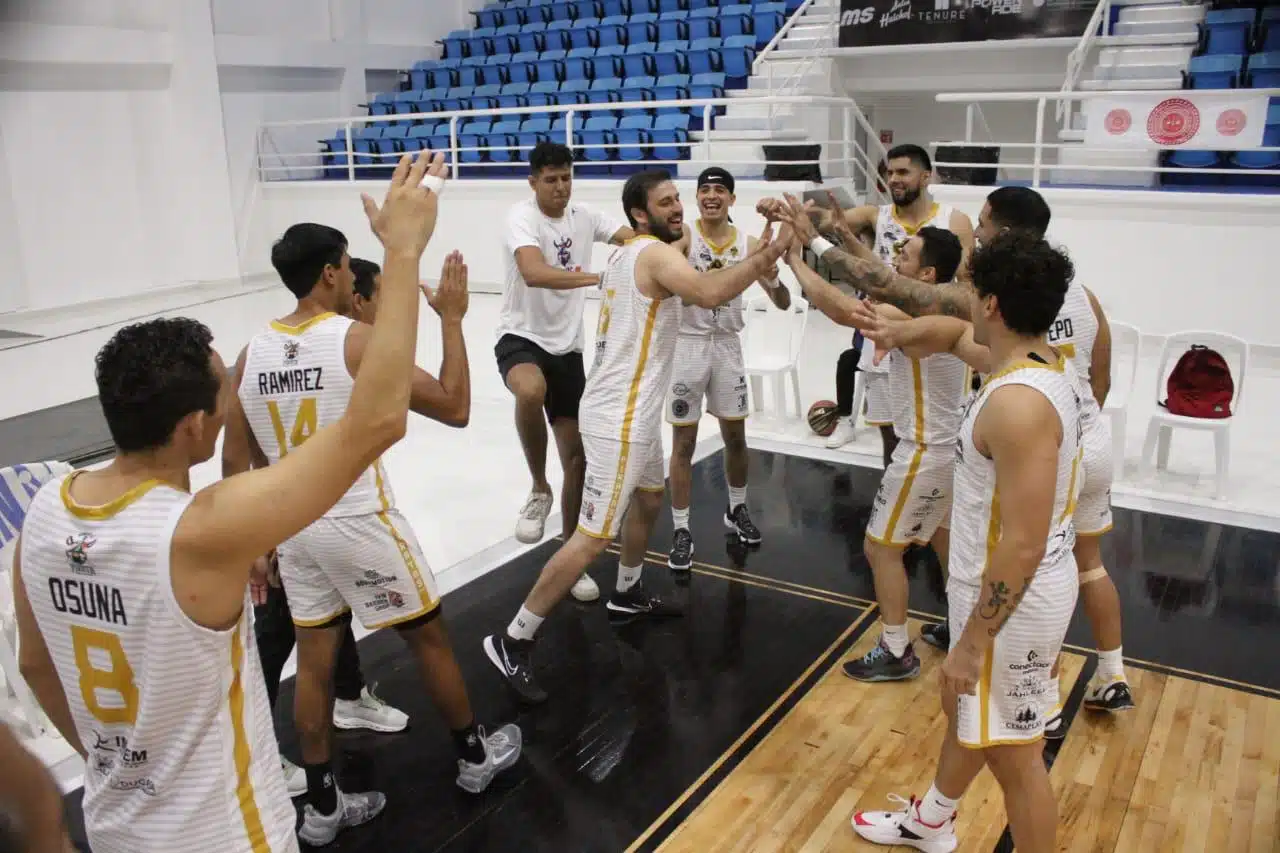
<point x="1150" y="44"/>
<point x="738" y="137"/>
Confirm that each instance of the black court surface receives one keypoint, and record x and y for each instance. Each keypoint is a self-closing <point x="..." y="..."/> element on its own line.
<point x="646" y="719"/>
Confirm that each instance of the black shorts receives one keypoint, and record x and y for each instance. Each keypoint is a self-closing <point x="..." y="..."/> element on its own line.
<point x="564" y="374"/>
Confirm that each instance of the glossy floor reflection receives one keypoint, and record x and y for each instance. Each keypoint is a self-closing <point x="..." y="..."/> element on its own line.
<point x="645" y="720"/>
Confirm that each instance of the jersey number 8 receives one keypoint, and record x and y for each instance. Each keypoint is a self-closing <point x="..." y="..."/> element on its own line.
<point x="116" y="678"/>
<point x="305" y="424"/>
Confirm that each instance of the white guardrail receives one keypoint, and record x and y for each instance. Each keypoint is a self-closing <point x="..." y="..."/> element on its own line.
<point x="1039" y="146"/>
<point x="1099" y="24"/>
<point x="277" y="160"/>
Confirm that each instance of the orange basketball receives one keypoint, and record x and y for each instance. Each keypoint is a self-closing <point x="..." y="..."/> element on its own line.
<point x="823" y="417"/>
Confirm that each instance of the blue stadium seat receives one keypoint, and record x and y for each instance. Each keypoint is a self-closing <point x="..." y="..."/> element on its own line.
<point x="638" y="88"/>
<point x="584" y="33"/>
<point x="644" y="6"/>
<point x="363" y="142"/>
<point x="557" y="35"/>
<point x="480" y="43"/>
<point x="1264" y="71"/>
<point x="671" y="29"/>
<point x="672" y="87"/>
<point x="556" y="53"/>
<point x="383" y="102"/>
<point x="1220" y="71"/>
<point x="602" y="122"/>
<point x="490" y="18"/>
<point x="606" y="91"/>
<point x="670" y="59"/>
<point x="1263" y="159"/>
<point x="768" y="18"/>
<point x="638" y="62"/>
<point x="1227" y="31"/>
<point x="575" y="91"/>
<point x="457" y="99"/>
<point x="548" y="69"/>
<point x="419" y="137"/>
<point x="513" y="95"/>
<point x="614" y="21"/>
<point x="638" y="121"/>
<point x="610" y="35"/>
<point x="1269" y="30"/>
<point x="641" y="32"/>
<point x="703" y="60"/>
<point x="405" y="103"/>
<point x="695" y="5"/>
<point x="467" y="76"/>
<point x="455" y="43"/>
<point x="576" y="68"/>
<point x="538" y="124"/>
<point x="615" y="8"/>
<point x="670" y="136"/>
<point x="736" y="57"/>
<point x="529" y="41"/>
<point x="582" y="52"/>
<point x="644" y="17"/>
<point x="558" y="126"/>
<point x="605" y="66"/>
<point x="735" y="21"/>
<point x="486" y="97"/>
<point x="703" y="28"/>
<point x="1191" y="160"/>
<point x="671" y="5"/>
<point x="585" y="9"/>
<point x="503" y="134"/>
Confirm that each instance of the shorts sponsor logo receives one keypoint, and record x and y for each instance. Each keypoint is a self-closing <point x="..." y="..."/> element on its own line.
<point x="144" y="785"/>
<point x="680" y="389"/>
<point x="589" y="510"/>
<point x="1027" y="688"/>
<point x="384" y="601"/>
<point x="373" y="579"/>
<point x="1025" y="719"/>
<point x="1033" y="664"/>
<point x="680" y="408"/>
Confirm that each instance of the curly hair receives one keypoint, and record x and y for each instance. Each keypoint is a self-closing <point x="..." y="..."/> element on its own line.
<point x="1028" y="278"/>
<point x="152" y="375"/>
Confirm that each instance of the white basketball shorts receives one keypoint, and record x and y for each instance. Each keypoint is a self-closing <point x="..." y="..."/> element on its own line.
<point x="370" y="564"/>
<point x="877" y="408"/>
<point x="615" y="469"/>
<point x="711" y="367"/>
<point x="1093" y="507"/>
<point x="1013" y="688"/>
<point x="914" y="495"/>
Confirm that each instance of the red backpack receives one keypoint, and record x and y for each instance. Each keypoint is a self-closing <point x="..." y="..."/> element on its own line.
<point x="1200" y="385"/>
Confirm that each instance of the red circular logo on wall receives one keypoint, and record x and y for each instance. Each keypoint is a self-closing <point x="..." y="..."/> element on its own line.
<point x="1118" y="121"/>
<point x="1231" y="122"/>
<point x="1174" y="121"/>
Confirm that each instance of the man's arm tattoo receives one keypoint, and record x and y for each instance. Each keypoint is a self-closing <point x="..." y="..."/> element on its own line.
<point x="880" y="282"/>
<point x="999" y="604"/>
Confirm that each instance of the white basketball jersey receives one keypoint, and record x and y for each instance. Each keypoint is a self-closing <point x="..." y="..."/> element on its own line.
<point x="891" y="234"/>
<point x="975" y="524"/>
<point x="174" y="717"/>
<point x="705" y="256"/>
<point x="1074" y="333"/>
<point x="927" y="395"/>
<point x="634" y="350"/>
<point x="296" y="382"/>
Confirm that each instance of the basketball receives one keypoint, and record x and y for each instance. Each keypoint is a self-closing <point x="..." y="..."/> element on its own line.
<point x="823" y="417"/>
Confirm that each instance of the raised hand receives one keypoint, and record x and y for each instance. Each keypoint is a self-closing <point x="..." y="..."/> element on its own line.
<point x="407" y="218"/>
<point x="772" y="209"/>
<point x="840" y="225"/>
<point x="799" y="219"/>
<point x="451" y="298"/>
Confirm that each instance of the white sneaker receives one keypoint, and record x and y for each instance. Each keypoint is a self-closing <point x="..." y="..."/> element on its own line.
<point x="295" y="778"/>
<point x="368" y="712"/>
<point x="318" y="829"/>
<point x="904" y="828"/>
<point x="585" y="589"/>
<point x="842" y="434"/>
<point x="533" y="517"/>
<point x="501" y="750"/>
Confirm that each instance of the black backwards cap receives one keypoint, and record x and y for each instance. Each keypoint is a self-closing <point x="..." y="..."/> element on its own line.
<point x="718" y="176"/>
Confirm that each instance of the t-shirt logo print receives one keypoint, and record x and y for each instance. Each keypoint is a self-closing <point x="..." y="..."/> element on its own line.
<point x="563" y="256"/>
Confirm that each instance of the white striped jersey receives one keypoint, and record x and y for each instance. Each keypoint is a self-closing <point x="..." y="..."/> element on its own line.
<point x="182" y="754"/>
<point x="705" y="256"/>
<point x="1074" y="333"/>
<point x="634" y="350"/>
<point x="296" y="382"/>
<point x="927" y="396"/>
<point x="975" y="525"/>
<point x="891" y="235"/>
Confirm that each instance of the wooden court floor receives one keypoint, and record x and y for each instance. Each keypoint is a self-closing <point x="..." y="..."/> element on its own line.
<point x="1195" y="768"/>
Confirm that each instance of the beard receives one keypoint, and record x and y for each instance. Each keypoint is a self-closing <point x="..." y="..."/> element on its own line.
<point x="905" y="196"/>
<point x="665" y="232"/>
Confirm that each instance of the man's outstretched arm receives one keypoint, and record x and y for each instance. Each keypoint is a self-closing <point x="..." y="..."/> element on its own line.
<point x="881" y="283"/>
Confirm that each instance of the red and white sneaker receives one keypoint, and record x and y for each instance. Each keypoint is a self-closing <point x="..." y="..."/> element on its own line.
<point x="905" y="828"/>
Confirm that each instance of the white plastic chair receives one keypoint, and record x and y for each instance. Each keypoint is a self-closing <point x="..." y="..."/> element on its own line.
<point x="1126" y="350"/>
<point x="14" y="691"/>
<point x="1160" y="429"/>
<point x="771" y="344"/>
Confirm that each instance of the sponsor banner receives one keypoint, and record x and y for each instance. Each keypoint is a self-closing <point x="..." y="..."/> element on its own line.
<point x="866" y="23"/>
<point x="1188" y="119"/>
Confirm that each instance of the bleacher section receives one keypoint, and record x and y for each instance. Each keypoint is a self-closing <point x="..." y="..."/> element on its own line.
<point x="1239" y="47"/>
<point x="586" y="53"/>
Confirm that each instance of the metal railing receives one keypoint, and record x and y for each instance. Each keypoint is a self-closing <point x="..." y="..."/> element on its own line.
<point x="277" y="161"/>
<point x="1099" y="24"/>
<point x="1039" y="146"/>
<point x="768" y="60"/>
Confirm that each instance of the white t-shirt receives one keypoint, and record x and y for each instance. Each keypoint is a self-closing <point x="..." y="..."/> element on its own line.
<point x="552" y="319"/>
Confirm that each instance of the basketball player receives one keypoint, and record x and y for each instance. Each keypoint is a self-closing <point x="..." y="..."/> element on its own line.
<point x="915" y="493"/>
<point x="547" y="253"/>
<point x="708" y="363"/>
<point x="362" y="556"/>
<point x="909" y="173"/>
<point x="622" y="413"/>
<point x="1082" y="333"/>
<point x="355" y="706"/>
<point x="1012" y="585"/>
<point x="130" y="592"/>
<point x="30" y="804"/>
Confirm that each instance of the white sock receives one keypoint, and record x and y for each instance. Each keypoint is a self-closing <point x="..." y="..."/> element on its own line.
<point x="628" y="576"/>
<point x="525" y="625"/>
<point x="1111" y="665"/>
<point x="737" y="497"/>
<point x="934" y="810"/>
<point x="680" y="517"/>
<point x="895" y="637"/>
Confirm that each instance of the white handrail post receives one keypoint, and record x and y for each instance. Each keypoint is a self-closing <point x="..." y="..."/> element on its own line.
<point x="351" y="155"/>
<point x="846" y="122"/>
<point x="568" y="139"/>
<point x="454" y="154"/>
<point x="707" y="111"/>
<point x="968" y="122"/>
<point x="1039" y="149"/>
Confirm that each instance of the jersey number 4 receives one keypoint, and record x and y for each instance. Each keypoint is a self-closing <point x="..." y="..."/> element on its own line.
<point x="107" y="685"/>
<point x="305" y="424"/>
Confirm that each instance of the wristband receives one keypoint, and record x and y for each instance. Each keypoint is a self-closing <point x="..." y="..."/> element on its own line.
<point x="433" y="183"/>
<point x="820" y="245"/>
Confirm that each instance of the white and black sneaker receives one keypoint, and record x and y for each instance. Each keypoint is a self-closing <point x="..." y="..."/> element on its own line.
<point x="318" y="829"/>
<point x="937" y="635"/>
<point x="635" y="603"/>
<point x="1055" y="728"/>
<point x="739" y="521"/>
<point x="501" y="751"/>
<point x="904" y="828"/>
<point x="512" y="658"/>
<point x="1112" y="697"/>
<point x="681" y="557"/>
